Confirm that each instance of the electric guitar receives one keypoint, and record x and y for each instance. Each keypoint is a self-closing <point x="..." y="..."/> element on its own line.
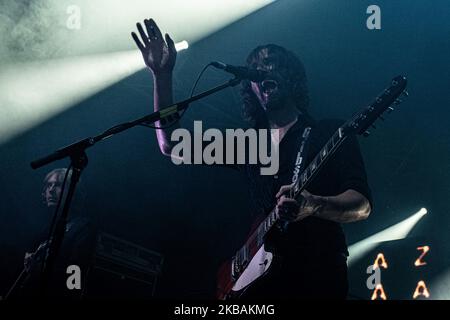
<point x="32" y="261"/>
<point x="252" y="261"/>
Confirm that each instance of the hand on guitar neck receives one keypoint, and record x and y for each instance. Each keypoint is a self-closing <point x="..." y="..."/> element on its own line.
<point x="348" y="206"/>
<point x="33" y="258"/>
<point x="295" y="209"/>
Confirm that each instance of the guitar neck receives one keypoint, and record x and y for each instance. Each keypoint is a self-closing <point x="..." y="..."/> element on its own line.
<point x="318" y="162"/>
<point x="257" y="237"/>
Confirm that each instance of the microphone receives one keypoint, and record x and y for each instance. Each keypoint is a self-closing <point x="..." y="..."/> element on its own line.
<point x="241" y="72"/>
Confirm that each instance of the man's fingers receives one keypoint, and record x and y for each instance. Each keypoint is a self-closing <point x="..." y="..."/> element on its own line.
<point x="305" y="193"/>
<point x="150" y="29"/>
<point x="301" y="216"/>
<point x="143" y="35"/>
<point x="138" y="42"/>
<point x="153" y="30"/>
<point x="170" y="44"/>
<point x="287" y="202"/>
<point x="287" y="208"/>
<point x="283" y="190"/>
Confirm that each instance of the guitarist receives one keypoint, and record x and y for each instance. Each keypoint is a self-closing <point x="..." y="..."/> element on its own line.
<point x="313" y="246"/>
<point x="76" y="248"/>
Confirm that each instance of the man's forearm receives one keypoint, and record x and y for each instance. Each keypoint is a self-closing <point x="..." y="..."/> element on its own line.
<point x="163" y="97"/>
<point x="348" y="206"/>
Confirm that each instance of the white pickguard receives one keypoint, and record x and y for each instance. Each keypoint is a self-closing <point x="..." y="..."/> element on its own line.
<point x="255" y="269"/>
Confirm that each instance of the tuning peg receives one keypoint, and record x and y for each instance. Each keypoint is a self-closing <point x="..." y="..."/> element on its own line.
<point x="405" y="93"/>
<point x="373" y="126"/>
<point x="382" y="119"/>
<point x="366" y="133"/>
<point x="398" y="101"/>
<point x="390" y="109"/>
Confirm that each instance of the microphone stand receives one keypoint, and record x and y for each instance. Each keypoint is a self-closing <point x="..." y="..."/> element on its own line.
<point x="79" y="160"/>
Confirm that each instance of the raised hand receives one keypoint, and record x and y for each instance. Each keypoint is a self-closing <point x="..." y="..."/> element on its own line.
<point x="159" y="55"/>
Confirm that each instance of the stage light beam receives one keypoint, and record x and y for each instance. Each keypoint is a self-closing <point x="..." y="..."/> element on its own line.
<point x="395" y="232"/>
<point x="440" y="286"/>
<point x="183" y="45"/>
<point x="31" y="93"/>
<point x="57" y="67"/>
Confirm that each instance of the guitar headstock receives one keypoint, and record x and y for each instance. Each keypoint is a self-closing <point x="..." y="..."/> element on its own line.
<point x="364" y="119"/>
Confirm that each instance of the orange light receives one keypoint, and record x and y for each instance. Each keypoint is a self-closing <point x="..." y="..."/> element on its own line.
<point x="380" y="261"/>
<point x="379" y="291"/>
<point x="421" y="290"/>
<point x="419" y="261"/>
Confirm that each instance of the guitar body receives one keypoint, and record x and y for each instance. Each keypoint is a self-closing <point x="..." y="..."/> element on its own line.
<point x="260" y="265"/>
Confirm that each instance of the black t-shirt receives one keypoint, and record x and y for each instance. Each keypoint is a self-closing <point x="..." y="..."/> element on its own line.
<point x="312" y="237"/>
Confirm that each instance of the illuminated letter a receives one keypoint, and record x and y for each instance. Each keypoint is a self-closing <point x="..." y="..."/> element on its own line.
<point x="378" y="291"/>
<point x="421" y="290"/>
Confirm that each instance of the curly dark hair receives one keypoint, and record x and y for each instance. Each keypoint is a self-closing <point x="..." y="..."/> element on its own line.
<point x="296" y="77"/>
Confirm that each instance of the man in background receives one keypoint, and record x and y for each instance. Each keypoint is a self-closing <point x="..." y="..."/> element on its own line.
<point x="76" y="249"/>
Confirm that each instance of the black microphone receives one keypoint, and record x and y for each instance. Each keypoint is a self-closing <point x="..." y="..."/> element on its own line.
<point x="241" y="72"/>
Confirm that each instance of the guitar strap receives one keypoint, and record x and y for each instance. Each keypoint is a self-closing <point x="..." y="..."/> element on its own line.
<point x="299" y="166"/>
<point x="300" y="161"/>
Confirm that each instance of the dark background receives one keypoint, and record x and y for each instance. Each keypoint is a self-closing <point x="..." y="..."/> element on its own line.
<point x="196" y="216"/>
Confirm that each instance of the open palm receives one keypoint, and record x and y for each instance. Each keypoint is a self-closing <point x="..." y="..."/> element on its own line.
<point x="159" y="55"/>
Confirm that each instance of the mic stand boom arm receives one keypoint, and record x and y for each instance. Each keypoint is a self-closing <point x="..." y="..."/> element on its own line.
<point x="76" y="153"/>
